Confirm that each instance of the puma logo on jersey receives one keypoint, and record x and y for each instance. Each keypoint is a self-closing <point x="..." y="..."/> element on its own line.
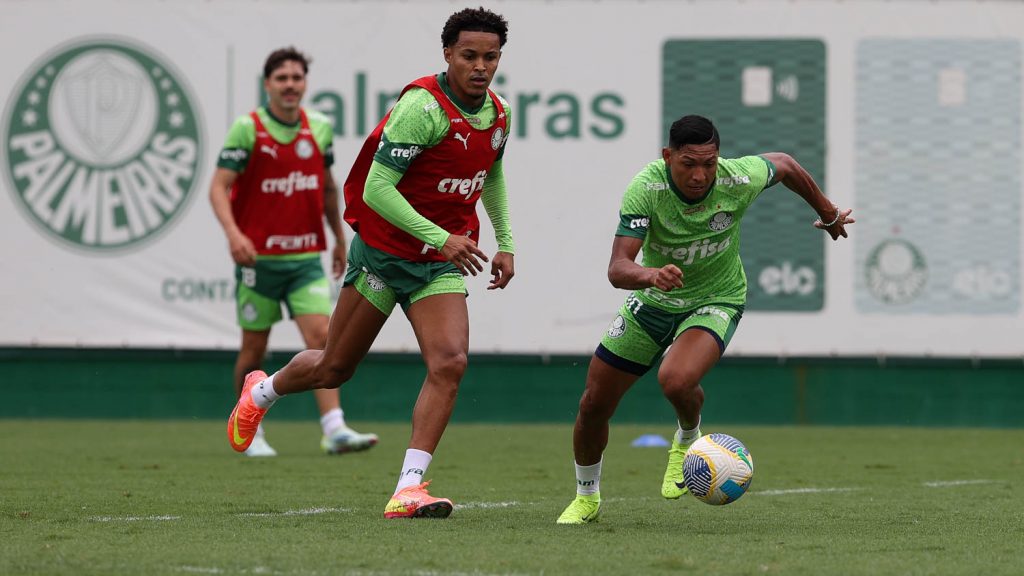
<point x="269" y="150"/>
<point x="463" y="139"/>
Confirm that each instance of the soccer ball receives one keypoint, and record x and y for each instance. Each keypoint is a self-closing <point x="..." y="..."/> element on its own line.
<point x="718" y="469"/>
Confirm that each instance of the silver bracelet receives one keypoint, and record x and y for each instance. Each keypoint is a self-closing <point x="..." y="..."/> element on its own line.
<point x="834" y="221"/>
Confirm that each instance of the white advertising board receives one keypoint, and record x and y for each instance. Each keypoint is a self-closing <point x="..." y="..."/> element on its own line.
<point x="114" y="113"/>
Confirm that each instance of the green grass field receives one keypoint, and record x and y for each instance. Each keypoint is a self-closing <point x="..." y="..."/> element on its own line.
<point x="164" y="497"/>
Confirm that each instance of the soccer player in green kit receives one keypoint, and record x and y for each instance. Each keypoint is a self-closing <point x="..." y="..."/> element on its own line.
<point x="271" y="193"/>
<point x="411" y="198"/>
<point x="683" y="212"/>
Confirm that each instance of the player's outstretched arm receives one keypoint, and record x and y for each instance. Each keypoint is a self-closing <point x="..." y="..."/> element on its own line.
<point x="831" y="218"/>
<point x="625" y="273"/>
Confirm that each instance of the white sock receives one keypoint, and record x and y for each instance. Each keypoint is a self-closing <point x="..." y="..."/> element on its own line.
<point x="687" y="436"/>
<point x="588" y="478"/>
<point x="263" y="394"/>
<point x="414" y="468"/>
<point x="332" y="420"/>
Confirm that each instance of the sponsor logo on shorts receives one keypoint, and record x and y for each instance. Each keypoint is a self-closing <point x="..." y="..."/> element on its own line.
<point x="618" y="327"/>
<point x="712" y="311"/>
<point x="720" y="221"/>
<point x="375" y="283"/>
<point x="102" y="144"/>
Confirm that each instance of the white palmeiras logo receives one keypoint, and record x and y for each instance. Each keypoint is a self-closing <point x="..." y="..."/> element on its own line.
<point x="497" y="137"/>
<point x="896" y="271"/>
<point x="618" y="327"/>
<point x="720" y="221"/>
<point x="304" y="149"/>
<point x="375" y="283"/>
<point x="102" y="144"/>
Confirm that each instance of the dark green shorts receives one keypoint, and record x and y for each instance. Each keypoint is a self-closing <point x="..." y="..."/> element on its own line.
<point x="299" y="282"/>
<point x="641" y="333"/>
<point x="385" y="280"/>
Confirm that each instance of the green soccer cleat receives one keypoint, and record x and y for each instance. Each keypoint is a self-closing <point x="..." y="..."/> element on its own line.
<point x="582" y="510"/>
<point x="672" y="486"/>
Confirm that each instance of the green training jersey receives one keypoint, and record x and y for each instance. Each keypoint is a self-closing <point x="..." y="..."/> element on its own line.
<point x="701" y="237"/>
<point x="417" y="121"/>
<point x="242" y="137"/>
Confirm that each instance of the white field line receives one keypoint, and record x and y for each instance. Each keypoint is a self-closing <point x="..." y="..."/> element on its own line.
<point x="264" y="571"/>
<point x="132" y="518"/>
<point x="802" y="491"/>
<point x="469" y="505"/>
<point x="306" y="512"/>
<point x="947" y="483"/>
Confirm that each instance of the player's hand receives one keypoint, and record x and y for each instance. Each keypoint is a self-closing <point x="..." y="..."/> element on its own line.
<point x="243" y="252"/>
<point x="839" y="228"/>
<point x="464" y="253"/>
<point x="667" y="277"/>
<point x="502" y="270"/>
<point x="339" y="260"/>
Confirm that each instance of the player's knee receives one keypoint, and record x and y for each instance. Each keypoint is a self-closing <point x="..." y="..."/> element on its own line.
<point x="594" y="407"/>
<point x="448" y="367"/>
<point x="677" y="382"/>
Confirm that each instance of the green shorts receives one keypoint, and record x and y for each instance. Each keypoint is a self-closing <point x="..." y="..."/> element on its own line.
<point x="640" y="332"/>
<point x="386" y="280"/>
<point x="299" y="282"/>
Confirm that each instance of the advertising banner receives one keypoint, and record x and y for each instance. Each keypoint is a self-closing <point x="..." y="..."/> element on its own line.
<point x="114" y="114"/>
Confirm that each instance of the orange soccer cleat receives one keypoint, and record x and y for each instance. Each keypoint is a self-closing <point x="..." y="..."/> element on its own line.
<point x="246" y="416"/>
<point x="414" y="502"/>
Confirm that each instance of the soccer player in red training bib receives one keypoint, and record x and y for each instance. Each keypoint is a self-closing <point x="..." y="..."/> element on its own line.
<point x="682" y="212"/>
<point x="271" y="192"/>
<point x="411" y="198"/>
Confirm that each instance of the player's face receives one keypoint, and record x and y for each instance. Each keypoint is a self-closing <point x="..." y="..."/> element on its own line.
<point x="285" y="87"/>
<point x="693" y="168"/>
<point x="472" y="62"/>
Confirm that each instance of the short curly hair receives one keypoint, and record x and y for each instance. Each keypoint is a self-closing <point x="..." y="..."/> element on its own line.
<point x="474" y="20"/>
<point x="278" y="57"/>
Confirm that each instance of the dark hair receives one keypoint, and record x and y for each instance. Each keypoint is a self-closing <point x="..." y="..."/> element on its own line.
<point x="474" y="20"/>
<point x="692" y="129"/>
<point x="280" y="56"/>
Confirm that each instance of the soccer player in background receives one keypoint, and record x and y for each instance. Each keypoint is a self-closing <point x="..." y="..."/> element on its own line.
<point x="411" y="198"/>
<point x="683" y="211"/>
<point x="271" y="192"/>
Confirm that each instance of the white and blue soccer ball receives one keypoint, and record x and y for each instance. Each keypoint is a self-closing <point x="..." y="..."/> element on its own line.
<point x="718" y="469"/>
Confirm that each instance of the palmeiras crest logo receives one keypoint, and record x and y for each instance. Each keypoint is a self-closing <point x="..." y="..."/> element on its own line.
<point x="618" y="327"/>
<point x="896" y="271"/>
<point x="103" y="144"/>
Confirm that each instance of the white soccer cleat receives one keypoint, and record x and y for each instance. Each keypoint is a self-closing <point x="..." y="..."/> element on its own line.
<point x="345" y="439"/>
<point x="260" y="448"/>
